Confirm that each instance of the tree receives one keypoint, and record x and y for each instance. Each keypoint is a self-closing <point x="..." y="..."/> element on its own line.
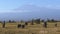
<point x="48" y="20"/>
<point x="52" y="20"/>
<point x="13" y="21"/>
<point x="9" y="21"/>
<point x="37" y="21"/>
<point x="0" y="21"/>
<point x="42" y="20"/>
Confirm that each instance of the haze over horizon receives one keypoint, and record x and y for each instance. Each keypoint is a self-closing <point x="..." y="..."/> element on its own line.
<point x="28" y="9"/>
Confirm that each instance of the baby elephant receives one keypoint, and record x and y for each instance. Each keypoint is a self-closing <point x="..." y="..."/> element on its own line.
<point x="23" y="26"/>
<point x="19" y="26"/>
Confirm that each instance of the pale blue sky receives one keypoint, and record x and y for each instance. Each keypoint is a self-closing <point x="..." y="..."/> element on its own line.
<point x="32" y="8"/>
<point x="12" y="4"/>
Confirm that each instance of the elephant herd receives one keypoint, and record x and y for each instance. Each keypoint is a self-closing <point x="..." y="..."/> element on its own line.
<point x="26" y="23"/>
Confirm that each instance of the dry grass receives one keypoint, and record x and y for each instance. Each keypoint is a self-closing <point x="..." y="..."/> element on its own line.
<point x="11" y="28"/>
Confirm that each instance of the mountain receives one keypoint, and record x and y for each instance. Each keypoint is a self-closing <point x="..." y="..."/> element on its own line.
<point x="27" y="12"/>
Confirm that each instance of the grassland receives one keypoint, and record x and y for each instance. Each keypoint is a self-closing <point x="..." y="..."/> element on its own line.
<point x="11" y="28"/>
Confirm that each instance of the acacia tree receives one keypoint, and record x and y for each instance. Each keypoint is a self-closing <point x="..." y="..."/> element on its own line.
<point x="42" y="20"/>
<point x="52" y="20"/>
<point x="0" y="21"/>
<point x="9" y="21"/>
<point x="48" y="20"/>
<point x="37" y="21"/>
<point x="12" y="21"/>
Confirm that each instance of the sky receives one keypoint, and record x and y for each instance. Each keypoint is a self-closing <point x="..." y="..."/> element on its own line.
<point x="28" y="9"/>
